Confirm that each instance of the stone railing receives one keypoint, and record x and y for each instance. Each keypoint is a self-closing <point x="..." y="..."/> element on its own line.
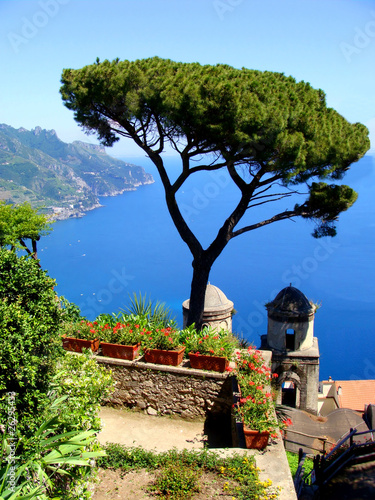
<point x="169" y="390"/>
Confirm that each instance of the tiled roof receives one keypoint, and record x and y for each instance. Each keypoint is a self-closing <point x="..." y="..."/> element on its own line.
<point x="355" y="394"/>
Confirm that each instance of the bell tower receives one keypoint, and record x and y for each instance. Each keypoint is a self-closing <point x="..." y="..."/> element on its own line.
<point x="295" y="351"/>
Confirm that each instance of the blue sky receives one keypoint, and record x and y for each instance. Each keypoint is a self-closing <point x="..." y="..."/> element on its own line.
<point x="329" y="43"/>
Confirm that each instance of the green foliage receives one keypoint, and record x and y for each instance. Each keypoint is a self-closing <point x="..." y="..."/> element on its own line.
<point x="163" y="338"/>
<point x="180" y="470"/>
<point x="29" y="323"/>
<point x="177" y="481"/>
<point x="325" y="203"/>
<point x="210" y="341"/>
<point x="86" y="384"/>
<point x="19" y="223"/>
<point x="156" y="313"/>
<point x="121" y="457"/>
<point x="255" y="408"/>
<point x="70" y="312"/>
<point x="230" y="110"/>
<point x="293" y="461"/>
<point x="122" y="333"/>
<point x="81" y="329"/>
<point x="55" y="463"/>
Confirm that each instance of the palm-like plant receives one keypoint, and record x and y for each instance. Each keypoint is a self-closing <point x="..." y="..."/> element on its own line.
<point x="53" y="456"/>
<point x="158" y="313"/>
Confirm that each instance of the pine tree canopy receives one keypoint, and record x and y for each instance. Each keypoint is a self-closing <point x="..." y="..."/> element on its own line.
<point x="269" y="131"/>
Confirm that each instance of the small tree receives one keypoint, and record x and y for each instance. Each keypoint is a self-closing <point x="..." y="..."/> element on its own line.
<point x="268" y="131"/>
<point x="19" y="223"/>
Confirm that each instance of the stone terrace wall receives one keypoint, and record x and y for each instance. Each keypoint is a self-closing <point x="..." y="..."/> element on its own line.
<point x="169" y="390"/>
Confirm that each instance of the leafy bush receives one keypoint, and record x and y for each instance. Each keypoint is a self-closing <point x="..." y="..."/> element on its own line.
<point x="177" y="481"/>
<point x="70" y="312"/>
<point x="86" y="384"/>
<point x="29" y="323"/>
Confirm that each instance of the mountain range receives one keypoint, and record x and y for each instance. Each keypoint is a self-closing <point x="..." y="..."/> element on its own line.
<point x="66" y="179"/>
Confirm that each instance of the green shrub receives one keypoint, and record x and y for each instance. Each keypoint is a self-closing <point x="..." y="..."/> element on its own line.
<point x="175" y="469"/>
<point x="177" y="481"/>
<point x="86" y="384"/>
<point x="29" y="323"/>
<point x="293" y="461"/>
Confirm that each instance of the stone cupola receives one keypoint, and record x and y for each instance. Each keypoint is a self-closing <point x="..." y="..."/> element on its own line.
<point x="295" y="350"/>
<point x="217" y="309"/>
<point x="290" y="321"/>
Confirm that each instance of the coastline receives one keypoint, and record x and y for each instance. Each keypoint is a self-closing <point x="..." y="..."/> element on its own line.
<point x="65" y="213"/>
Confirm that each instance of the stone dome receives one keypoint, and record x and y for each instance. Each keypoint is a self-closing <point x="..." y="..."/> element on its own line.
<point x="217" y="309"/>
<point x="215" y="299"/>
<point x="291" y="302"/>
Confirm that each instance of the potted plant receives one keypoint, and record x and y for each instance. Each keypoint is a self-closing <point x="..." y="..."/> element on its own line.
<point x="210" y="349"/>
<point x="80" y="334"/>
<point x="255" y="407"/>
<point x="163" y="346"/>
<point x="122" y="341"/>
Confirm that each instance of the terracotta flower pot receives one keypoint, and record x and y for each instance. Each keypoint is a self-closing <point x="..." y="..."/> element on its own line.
<point x="119" y="351"/>
<point x="204" y="362"/>
<point x="164" y="357"/>
<point x="76" y="345"/>
<point x="255" y="440"/>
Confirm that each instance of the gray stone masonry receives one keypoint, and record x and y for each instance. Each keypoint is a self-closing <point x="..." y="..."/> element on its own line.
<point x="169" y="390"/>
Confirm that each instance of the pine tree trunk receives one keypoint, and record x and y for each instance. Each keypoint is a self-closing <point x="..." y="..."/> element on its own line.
<point x="197" y="294"/>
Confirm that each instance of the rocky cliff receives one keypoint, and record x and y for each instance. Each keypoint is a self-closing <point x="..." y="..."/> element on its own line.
<point x="66" y="178"/>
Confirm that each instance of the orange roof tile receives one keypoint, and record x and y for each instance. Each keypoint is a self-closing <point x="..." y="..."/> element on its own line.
<point x="355" y="394"/>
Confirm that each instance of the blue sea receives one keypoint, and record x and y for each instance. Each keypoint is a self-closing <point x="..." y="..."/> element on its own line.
<point x="130" y="245"/>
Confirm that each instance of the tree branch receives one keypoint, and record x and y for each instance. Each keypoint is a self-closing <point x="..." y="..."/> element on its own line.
<point x="288" y="214"/>
<point x="268" y="201"/>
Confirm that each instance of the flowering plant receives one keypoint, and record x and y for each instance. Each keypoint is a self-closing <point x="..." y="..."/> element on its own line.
<point x="81" y="329"/>
<point x="122" y="333"/>
<point x="210" y="342"/>
<point x="161" y="338"/>
<point x="256" y="408"/>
